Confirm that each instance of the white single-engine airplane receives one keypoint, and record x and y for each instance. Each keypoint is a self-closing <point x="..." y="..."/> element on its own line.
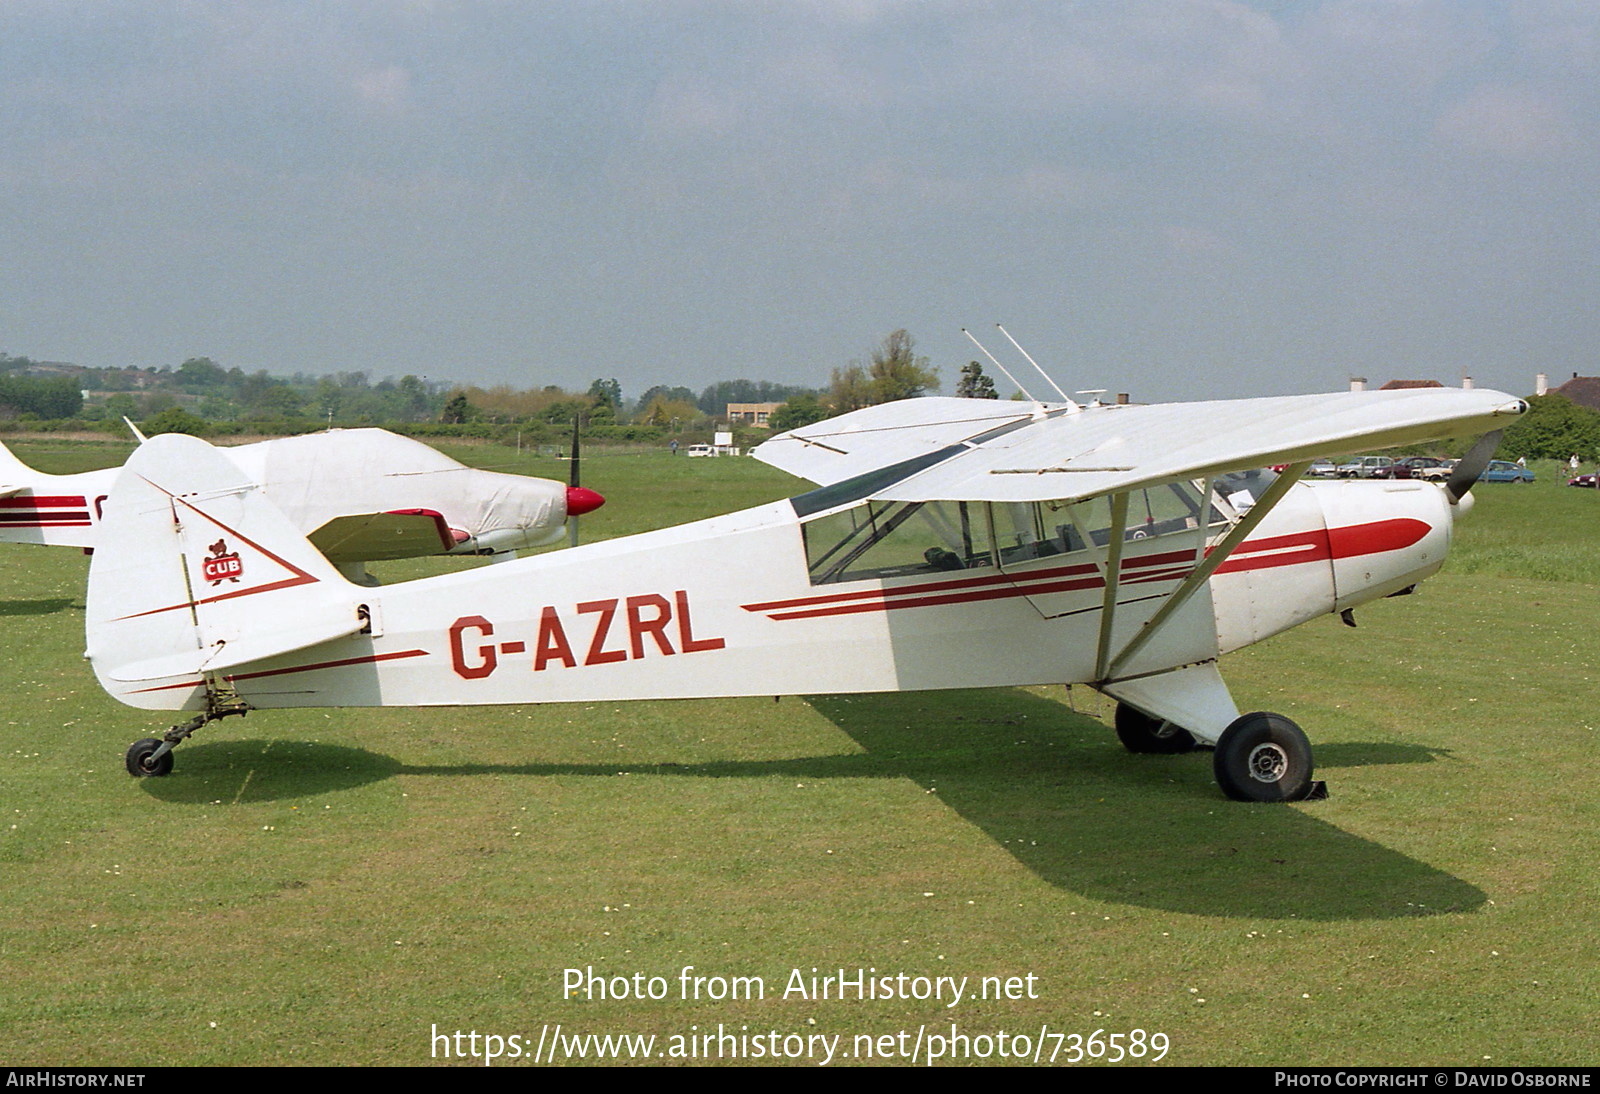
<point x="952" y="543"/>
<point x="359" y="495"/>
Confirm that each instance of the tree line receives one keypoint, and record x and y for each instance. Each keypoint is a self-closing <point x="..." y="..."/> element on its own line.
<point x="202" y="396"/>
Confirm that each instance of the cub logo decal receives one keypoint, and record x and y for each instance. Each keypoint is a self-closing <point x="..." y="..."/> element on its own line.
<point x="221" y="564"/>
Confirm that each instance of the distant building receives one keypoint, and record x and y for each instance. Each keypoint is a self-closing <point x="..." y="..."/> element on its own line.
<point x="756" y="414"/>
<point x="1583" y="390"/>
<point x="1401" y="385"/>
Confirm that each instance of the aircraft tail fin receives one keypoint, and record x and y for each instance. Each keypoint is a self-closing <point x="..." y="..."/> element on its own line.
<point x="53" y="510"/>
<point x="198" y="573"/>
<point x="14" y="473"/>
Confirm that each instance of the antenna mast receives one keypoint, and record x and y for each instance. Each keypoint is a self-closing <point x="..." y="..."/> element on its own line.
<point x="1038" y="406"/>
<point x="1034" y="363"/>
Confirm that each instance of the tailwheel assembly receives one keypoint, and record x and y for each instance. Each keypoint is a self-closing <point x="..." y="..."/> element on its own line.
<point x="149" y="758"/>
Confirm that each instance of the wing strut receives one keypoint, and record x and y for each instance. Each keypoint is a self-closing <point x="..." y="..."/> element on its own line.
<point x="1113" y="576"/>
<point x="1208" y="566"/>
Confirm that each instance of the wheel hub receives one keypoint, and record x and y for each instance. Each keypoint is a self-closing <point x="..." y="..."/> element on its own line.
<point x="1267" y="763"/>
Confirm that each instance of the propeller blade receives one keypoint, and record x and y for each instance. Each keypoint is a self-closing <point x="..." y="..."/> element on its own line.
<point x="572" y="485"/>
<point x="572" y="471"/>
<point x="1466" y="472"/>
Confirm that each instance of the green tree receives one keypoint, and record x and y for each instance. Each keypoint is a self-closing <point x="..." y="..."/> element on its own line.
<point x="660" y="410"/>
<point x="714" y="400"/>
<point x="120" y="406"/>
<point x="608" y="392"/>
<point x="798" y="411"/>
<point x="974" y="384"/>
<point x="53" y="398"/>
<point x="850" y="389"/>
<point x="898" y="373"/>
<point x="457" y="410"/>
<point x="175" y="419"/>
<point x="895" y="372"/>
<point x="1554" y="428"/>
<point x="199" y="375"/>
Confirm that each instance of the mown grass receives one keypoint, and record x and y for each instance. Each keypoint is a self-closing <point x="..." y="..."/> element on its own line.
<point x="326" y="886"/>
<point x="1544" y="530"/>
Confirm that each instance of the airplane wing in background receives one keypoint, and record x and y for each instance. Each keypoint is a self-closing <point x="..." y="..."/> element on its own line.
<point x="375" y="537"/>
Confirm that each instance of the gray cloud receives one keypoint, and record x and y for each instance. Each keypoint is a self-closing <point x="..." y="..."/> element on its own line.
<point x="1183" y="197"/>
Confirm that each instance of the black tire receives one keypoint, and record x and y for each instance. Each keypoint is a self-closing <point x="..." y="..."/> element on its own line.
<point x="1263" y="757"/>
<point x="1143" y="734"/>
<point x="138" y="760"/>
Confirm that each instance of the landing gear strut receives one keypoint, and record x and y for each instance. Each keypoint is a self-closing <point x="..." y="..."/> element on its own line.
<point x="150" y="758"/>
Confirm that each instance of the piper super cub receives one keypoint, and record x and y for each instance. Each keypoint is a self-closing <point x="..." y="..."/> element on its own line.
<point x="952" y="543"/>
<point x="360" y="495"/>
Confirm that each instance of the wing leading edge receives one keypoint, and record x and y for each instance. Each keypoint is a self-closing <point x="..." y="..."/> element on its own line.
<point x="950" y="454"/>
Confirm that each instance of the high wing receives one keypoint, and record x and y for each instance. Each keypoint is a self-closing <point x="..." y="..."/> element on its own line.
<point x="944" y="449"/>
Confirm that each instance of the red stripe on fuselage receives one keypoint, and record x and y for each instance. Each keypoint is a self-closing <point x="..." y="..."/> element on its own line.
<point x="44" y="501"/>
<point x="1394" y="534"/>
<point x="1352" y="541"/>
<point x="1318" y="545"/>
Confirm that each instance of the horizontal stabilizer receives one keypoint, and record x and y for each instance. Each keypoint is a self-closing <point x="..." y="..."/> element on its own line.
<point x="222" y="656"/>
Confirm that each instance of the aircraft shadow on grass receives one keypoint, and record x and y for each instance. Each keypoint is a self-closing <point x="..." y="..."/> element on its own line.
<point x="1052" y="788"/>
<point x="38" y="607"/>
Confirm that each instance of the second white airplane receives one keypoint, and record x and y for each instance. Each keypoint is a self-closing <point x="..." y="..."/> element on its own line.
<point x="359" y="495"/>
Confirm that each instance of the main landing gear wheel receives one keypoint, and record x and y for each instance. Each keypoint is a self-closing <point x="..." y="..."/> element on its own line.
<point x="1263" y="757"/>
<point x="139" y="761"/>
<point x="1139" y="732"/>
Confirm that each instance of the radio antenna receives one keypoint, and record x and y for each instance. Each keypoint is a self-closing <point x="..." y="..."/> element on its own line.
<point x="1038" y="406"/>
<point x="1034" y="363"/>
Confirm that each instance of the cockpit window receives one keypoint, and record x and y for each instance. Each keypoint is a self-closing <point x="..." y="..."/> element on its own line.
<point x="893" y="539"/>
<point x="902" y="539"/>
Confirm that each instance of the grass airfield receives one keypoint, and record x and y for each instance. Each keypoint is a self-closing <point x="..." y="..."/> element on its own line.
<point x="331" y="887"/>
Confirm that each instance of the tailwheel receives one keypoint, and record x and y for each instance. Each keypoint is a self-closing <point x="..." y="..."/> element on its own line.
<point x="1139" y="732"/>
<point x="146" y="759"/>
<point x="1265" y="757"/>
<point x="149" y="758"/>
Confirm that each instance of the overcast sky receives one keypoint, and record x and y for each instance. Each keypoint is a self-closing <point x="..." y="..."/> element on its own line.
<point x="1176" y="198"/>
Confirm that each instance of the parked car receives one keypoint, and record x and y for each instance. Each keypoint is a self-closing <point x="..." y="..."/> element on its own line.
<point x="1505" y="471"/>
<point x="1591" y="481"/>
<point x="1322" y="469"/>
<point x="1365" y="467"/>
<point x="1415" y="467"/>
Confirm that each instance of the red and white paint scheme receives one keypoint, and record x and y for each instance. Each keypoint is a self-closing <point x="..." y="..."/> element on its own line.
<point x="360" y="495"/>
<point x="952" y="543"/>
